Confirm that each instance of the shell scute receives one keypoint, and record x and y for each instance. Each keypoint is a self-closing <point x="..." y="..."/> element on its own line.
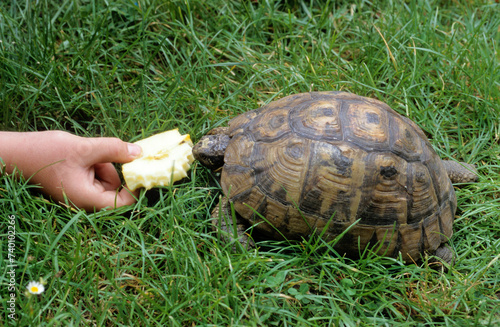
<point x="319" y="120"/>
<point x="333" y="182"/>
<point x="424" y="200"/>
<point x="367" y="125"/>
<point x="405" y="141"/>
<point x="279" y="168"/>
<point x="270" y="125"/>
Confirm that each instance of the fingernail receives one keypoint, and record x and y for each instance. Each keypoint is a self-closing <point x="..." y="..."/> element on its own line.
<point x="134" y="150"/>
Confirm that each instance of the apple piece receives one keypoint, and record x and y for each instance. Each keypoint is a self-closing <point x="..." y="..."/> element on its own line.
<point x="166" y="157"/>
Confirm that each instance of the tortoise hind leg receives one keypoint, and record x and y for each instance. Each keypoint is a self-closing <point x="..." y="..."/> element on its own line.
<point x="445" y="254"/>
<point x="442" y="258"/>
<point x="461" y="172"/>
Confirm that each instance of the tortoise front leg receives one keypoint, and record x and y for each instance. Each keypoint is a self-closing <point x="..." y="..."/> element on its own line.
<point x="224" y="224"/>
<point x="461" y="172"/>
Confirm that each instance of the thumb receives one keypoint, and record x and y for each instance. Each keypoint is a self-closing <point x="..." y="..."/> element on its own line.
<point x="107" y="149"/>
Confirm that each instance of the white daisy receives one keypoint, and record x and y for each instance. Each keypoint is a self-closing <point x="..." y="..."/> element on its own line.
<point x="35" y="288"/>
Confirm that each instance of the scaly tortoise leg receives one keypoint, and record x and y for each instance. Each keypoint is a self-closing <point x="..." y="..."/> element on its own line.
<point x="445" y="254"/>
<point x="461" y="172"/>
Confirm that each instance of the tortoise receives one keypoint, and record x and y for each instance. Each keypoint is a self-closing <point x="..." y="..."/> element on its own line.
<point x="332" y="163"/>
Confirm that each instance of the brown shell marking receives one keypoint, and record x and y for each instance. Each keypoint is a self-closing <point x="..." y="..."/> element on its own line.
<point x="306" y="158"/>
<point x="317" y="120"/>
<point x="367" y="125"/>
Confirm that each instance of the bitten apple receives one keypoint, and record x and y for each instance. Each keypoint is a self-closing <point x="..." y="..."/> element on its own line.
<point x="166" y="158"/>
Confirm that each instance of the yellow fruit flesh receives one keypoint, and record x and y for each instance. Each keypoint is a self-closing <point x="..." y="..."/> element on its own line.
<point x="165" y="159"/>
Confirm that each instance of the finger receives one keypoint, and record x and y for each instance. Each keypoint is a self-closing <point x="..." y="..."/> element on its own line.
<point x="107" y="175"/>
<point x="127" y="197"/>
<point x="108" y="199"/>
<point x="107" y="149"/>
<point x="123" y="198"/>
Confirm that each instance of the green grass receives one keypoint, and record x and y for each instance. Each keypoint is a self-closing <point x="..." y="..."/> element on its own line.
<point x="129" y="71"/>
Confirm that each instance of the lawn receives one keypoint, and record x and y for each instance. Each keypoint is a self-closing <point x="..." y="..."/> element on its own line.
<point x="130" y="69"/>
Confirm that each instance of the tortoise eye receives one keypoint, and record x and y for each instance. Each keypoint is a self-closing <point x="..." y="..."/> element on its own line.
<point x="388" y="171"/>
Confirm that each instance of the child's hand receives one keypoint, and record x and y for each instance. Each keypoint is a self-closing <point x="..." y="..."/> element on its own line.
<point x="72" y="166"/>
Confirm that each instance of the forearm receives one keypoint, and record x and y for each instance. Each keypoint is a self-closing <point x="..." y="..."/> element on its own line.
<point x="30" y="152"/>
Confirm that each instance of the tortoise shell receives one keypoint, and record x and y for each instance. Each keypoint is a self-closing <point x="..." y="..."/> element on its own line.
<point x="327" y="162"/>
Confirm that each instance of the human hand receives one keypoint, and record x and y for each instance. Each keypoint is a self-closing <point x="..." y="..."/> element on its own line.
<point x="72" y="167"/>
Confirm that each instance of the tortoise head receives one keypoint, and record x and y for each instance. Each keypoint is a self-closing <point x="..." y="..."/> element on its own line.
<point x="210" y="150"/>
